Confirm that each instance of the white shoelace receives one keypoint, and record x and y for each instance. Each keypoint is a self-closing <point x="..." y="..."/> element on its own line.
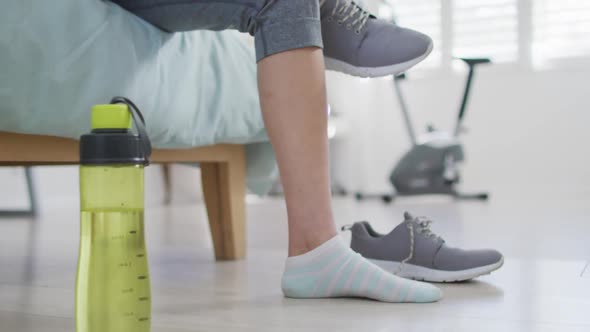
<point x="423" y="226"/>
<point x="344" y="10"/>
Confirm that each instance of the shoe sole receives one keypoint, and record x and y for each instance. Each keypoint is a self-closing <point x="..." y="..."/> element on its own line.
<point x="346" y="68"/>
<point x="421" y="273"/>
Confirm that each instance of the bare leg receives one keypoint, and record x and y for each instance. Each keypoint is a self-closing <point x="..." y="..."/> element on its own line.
<point x="293" y="99"/>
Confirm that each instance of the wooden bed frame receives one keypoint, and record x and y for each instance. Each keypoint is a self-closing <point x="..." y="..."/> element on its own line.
<point x="223" y="176"/>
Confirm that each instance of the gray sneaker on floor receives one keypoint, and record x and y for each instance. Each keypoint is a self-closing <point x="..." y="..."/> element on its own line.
<point x="412" y="251"/>
<point x="359" y="44"/>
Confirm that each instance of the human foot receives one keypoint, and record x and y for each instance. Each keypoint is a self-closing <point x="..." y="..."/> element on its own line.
<point x="334" y="270"/>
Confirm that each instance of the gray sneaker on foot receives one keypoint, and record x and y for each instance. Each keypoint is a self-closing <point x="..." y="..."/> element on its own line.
<point x="412" y="251"/>
<point x="359" y="44"/>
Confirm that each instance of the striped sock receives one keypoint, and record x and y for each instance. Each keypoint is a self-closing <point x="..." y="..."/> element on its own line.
<point x="334" y="270"/>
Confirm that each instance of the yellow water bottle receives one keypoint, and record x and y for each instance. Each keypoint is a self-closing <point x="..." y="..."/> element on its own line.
<point x="112" y="283"/>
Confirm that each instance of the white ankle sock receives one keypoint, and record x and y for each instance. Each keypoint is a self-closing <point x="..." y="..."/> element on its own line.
<point x="334" y="270"/>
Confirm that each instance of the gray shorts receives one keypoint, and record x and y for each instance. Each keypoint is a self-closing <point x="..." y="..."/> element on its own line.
<point x="277" y="25"/>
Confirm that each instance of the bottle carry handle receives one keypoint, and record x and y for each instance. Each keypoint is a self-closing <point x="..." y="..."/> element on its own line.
<point x="139" y="123"/>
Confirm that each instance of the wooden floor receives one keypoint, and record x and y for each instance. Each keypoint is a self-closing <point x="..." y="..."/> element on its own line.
<point x="544" y="285"/>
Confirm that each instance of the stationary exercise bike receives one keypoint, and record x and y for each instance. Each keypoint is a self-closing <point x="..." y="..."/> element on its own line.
<point x="431" y="165"/>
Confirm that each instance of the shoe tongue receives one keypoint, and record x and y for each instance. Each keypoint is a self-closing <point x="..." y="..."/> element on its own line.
<point x="404" y="224"/>
<point x="408" y="216"/>
<point x="326" y="7"/>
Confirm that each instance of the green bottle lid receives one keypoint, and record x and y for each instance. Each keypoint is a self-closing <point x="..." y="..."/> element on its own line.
<point x="111" y="116"/>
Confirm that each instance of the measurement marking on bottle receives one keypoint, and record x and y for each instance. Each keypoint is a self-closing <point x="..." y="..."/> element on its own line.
<point x="132" y="232"/>
<point x="127" y="290"/>
<point x="140" y="255"/>
<point x="144" y="298"/>
<point x="141" y="277"/>
<point x="143" y="319"/>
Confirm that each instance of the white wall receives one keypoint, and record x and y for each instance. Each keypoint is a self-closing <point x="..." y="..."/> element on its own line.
<point x="526" y="128"/>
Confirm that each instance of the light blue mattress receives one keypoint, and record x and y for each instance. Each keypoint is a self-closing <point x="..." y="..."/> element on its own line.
<point x="58" y="58"/>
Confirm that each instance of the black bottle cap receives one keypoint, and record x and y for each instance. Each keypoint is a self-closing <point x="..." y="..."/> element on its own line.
<point x="111" y="140"/>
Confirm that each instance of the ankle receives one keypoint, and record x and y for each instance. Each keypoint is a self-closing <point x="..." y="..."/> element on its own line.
<point x="299" y="245"/>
